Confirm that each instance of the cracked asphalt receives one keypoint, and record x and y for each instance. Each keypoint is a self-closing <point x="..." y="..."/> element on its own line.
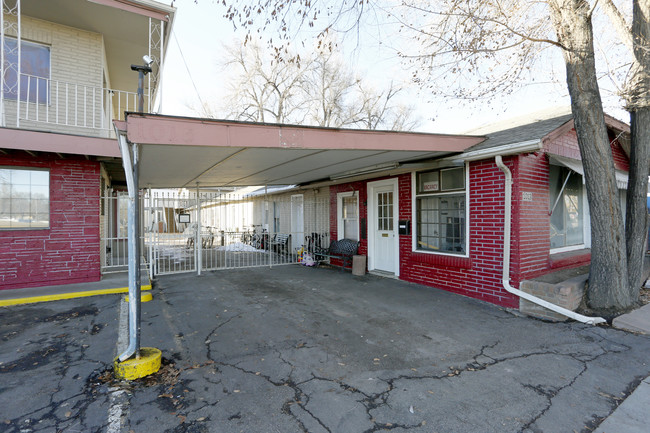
<point x="295" y="349"/>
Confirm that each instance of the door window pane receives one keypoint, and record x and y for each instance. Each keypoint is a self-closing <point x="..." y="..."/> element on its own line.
<point x="385" y="211"/>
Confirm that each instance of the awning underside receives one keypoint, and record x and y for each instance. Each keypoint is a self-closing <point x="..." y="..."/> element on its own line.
<point x="184" y="166"/>
<point x="181" y="152"/>
<point x="575" y="165"/>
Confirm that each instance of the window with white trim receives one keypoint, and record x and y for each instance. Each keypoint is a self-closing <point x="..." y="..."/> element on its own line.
<point x="567" y="208"/>
<point x="24" y="198"/>
<point x="34" y="71"/>
<point x="440" y="211"/>
<point x="348" y="215"/>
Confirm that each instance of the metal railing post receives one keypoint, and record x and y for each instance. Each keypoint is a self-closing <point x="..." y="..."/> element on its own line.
<point x="151" y="235"/>
<point x="19" y="42"/>
<point x="198" y="241"/>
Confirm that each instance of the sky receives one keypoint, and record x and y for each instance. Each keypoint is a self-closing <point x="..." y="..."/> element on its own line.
<point x="193" y="73"/>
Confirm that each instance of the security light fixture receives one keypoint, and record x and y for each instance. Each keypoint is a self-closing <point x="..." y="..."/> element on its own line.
<point x="142" y="71"/>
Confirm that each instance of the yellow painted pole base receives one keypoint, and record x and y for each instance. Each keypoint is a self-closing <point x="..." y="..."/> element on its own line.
<point x="144" y="297"/>
<point x="135" y="368"/>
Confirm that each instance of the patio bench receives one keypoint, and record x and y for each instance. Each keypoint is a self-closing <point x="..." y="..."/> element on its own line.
<point x="342" y="249"/>
<point x="280" y="243"/>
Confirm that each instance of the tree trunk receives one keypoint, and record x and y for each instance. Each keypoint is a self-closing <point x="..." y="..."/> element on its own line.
<point x="636" y="224"/>
<point x="608" y="289"/>
<point x="636" y="218"/>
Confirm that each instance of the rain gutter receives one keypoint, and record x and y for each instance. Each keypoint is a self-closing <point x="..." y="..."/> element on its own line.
<point x="506" y="258"/>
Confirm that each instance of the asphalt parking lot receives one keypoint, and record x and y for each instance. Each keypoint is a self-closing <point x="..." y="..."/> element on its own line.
<point x="295" y="349"/>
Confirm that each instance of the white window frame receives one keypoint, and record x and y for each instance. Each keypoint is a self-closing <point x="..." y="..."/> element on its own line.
<point x="586" y="223"/>
<point x="49" y="198"/>
<point x="339" y="214"/>
<point x="47" y="79"/>
<point x="414" y="223"/>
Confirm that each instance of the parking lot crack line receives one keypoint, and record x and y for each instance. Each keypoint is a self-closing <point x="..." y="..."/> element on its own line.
<point x="300" y="398"/>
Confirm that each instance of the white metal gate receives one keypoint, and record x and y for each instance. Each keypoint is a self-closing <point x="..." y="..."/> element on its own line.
<point x="113" y="235"/>
<point x="190" y="231"/>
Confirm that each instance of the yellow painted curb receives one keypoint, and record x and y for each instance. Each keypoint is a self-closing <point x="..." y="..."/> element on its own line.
<point x="135" y="368"/>
<point x="144" y="297"/>
<point x="71" y="295"/>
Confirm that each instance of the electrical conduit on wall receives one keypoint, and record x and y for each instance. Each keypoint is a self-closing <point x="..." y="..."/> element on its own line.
<point x="506" y="258"/>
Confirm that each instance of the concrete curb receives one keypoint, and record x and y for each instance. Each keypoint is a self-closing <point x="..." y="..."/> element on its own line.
<point x="634" y="321"/>
<point x="69" y="295"/>
<point x="631" y="416"/>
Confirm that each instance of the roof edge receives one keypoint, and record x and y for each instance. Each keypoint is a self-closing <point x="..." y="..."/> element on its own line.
<point x="296" y="126"/>
<point x="45" y="141"/>
<point x="148" y="8"/>
<point x="503" y="150"/>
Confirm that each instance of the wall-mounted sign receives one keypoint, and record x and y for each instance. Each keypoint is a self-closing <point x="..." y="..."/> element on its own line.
<point x="432" y="185"/>
<point x="183" y="218"/>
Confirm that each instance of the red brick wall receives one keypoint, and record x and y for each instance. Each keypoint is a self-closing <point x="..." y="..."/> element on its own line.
<point x="67" y="252"/>
<point x="479" y="275"/>
<point x="621" y="160"/>
<point x="567" y="145"/>
<point x="533" y="227"/>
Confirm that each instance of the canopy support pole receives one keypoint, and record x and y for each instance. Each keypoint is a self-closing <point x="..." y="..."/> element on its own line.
<point x="130" y="160"/>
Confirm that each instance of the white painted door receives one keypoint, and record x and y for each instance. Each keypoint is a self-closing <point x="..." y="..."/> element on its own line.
<point x="297" y="221"/>
<point x="383" y="227"/>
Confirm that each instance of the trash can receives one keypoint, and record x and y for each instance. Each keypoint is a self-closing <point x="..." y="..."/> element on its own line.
<point x="358" y="265"/>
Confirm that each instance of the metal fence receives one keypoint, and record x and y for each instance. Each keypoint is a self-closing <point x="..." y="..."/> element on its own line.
<point x="113" y="235"/>
<point x="190" y="231"/>
<point x="66" y="104"/>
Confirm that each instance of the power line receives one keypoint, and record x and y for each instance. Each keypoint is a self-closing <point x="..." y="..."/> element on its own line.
<point x="198" y="95"/>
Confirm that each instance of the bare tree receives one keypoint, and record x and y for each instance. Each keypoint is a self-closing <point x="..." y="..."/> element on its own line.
<point x="379" y="110"/>
<point x="637" y="95"/>
<point x="474" y="48"/>
<point x="608" y="283"/>
<point x="316" y="89"/>
<point x="329" y="88"/>
<point x="265" y="89"/>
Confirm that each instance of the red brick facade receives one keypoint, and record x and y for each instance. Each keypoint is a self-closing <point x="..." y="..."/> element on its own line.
<point x="479" y="275"/>
<point x="67" y="252"/>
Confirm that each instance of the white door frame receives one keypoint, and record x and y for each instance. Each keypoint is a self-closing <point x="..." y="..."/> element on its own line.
<point x="372" y="220"/>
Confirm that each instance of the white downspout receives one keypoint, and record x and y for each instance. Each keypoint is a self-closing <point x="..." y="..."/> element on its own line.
<point x="506" y="258"/>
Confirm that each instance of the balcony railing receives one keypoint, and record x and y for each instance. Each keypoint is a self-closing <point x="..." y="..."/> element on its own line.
<point x="67" y="105"/>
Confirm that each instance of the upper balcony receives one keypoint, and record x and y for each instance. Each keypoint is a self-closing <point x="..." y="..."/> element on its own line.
<point x="67" y="63"/>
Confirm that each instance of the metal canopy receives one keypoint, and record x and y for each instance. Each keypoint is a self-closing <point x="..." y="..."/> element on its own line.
<point x="181" y="152"/>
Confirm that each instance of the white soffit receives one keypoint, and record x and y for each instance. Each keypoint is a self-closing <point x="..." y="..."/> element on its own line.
<point x="576" y="165"/>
